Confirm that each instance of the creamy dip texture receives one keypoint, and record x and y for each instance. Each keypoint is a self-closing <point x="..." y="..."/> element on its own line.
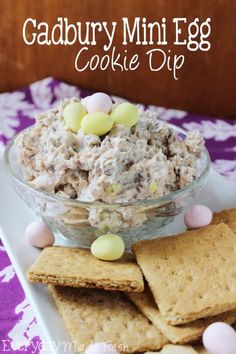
<point x="126" y="165"/>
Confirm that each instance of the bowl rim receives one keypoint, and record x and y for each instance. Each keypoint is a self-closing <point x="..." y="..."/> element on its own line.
<point x="163" y="200"/>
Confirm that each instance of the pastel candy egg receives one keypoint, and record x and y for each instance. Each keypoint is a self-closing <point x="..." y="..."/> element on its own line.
<point x="113" y="189"/>
<point x="85" y="100"/>
<point x="153" y="187"/>
<point x="220" y="338"/>
<point x="108" y="247"/>
<point x="38" y="234"/>
<point x="197" y="216"/>
<point x="73" y="114"/>
<point x="126" y="114"/>
<point x="101" y="348"/>
<point x="96" y="123"/>
<point x="99" y="102"/>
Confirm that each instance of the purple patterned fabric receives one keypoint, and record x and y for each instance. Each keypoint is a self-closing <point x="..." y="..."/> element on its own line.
<point x="18" y="328"/>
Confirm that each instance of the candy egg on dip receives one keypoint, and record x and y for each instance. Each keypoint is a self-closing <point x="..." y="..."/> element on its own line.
<point x="153" y="187"/>
<point x="85" y="100"/>
<point x="73" y="114"/>
<point x="96" y="123"/>
<point x="100" y="348"/>
<point x="197" y="216"/>
<point x="126" y="114"/>
<point x="220" y="338"/>
<point x="99" y="102"/>
<point x="38" y="234"/>
<point x="108" y="247"/>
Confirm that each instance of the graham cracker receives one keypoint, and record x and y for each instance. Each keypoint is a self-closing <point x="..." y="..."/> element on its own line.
<point x="191" y="275"/>
<point x="183" y="334"/>
<point x="176" y="349"/>
<point x="77" y="267"/>
<point x="93" y="315"/>
<point x="200" y="349"/>
<point x="227" y="216"/>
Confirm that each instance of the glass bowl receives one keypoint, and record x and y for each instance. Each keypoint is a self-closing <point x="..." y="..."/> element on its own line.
<point x="84" y="221"/>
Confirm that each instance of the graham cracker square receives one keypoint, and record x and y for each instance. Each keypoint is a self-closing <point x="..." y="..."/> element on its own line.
<point x="183" y="334"/>
<point x="176" y="349"/>
<point x="77" y="267"/>
<point x="227" y="216"/>
<point x="200" y="349"/>
<point x="191" y="275"/>
<point x="93" y="315"/>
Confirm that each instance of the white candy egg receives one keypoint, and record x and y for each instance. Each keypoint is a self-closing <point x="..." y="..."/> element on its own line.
<point x="197" y="216"/>
<point x="99" y="102"/>
<point x="85" y="100"/>
<point x="38" y="234"/>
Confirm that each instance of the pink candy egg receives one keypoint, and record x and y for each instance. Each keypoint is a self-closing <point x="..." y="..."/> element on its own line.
<point x="220" y="338"/>
<point x="100" y="348"/>
<point x="197" y="216"/>
<point x="99" y="102"/>
<point x="38" y="234"/>
<point x="85" y="100"/>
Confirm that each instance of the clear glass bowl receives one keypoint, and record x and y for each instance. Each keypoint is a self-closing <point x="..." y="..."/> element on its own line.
<point x="84" y="221"/>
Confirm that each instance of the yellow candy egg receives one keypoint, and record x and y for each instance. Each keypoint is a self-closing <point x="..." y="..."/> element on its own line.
<point x="153" y="187"/>
<point x="73" y="114"/>
<point x="108" y="247"/>
<point x="113" y="189"/>
<point x="96" y="123"/>
<point x="125" y="113"/>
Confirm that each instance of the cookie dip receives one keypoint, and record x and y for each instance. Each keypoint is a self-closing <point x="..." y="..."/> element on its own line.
<point x="120" y="155"/>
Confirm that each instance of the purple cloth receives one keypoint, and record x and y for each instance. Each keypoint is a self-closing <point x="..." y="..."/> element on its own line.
<point x="18" y="328"/>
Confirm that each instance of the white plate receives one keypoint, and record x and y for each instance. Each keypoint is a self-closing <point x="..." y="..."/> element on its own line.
<point x="218" y="194"/>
